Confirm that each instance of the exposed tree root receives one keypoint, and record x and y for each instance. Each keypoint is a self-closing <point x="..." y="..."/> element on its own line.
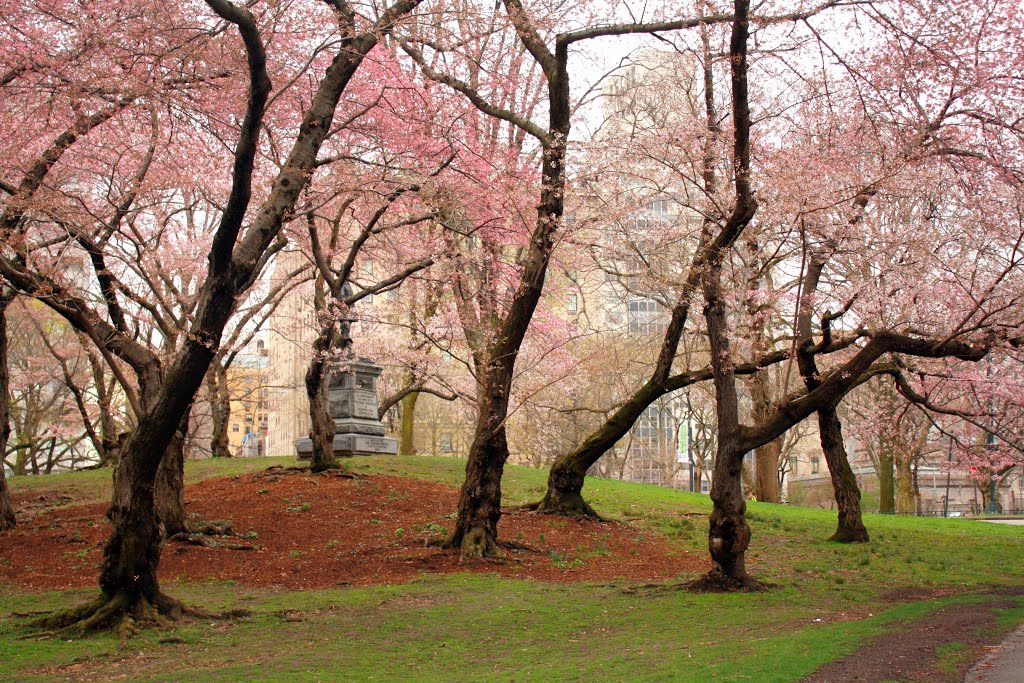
<point x="337" y="472"/>
<point x="850" y="536"/>
<point x="516" y="545"/>
<point x="122" y="613"/>
<point x="211" y="529"/>
<point x="565" y="505"/>
<point x="476" y="545"/>
<point x="717" y="581"/>
<point x="210" y="540"/>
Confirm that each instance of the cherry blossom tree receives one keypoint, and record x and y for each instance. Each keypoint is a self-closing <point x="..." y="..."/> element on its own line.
<point x="237" y="253"/>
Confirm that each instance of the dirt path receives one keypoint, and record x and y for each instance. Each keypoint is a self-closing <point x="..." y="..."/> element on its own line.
<point x="960" y="632"/>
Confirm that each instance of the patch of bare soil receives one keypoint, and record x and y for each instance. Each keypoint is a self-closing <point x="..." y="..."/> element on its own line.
<point x="910" y="654"/>
<point x="300" y="531"/>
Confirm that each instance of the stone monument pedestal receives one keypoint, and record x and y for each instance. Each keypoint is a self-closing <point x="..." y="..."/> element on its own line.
<point x="352" y="403"/>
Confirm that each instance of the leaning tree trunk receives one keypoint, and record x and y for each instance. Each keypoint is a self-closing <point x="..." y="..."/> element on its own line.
<point x="220" y="410"/>
<point x="564" y="495"/>
<point x="407" y="442"/>
<point x="6" y="509"/>
<point x="850" y="527"/>
<point x="130" y="592"/>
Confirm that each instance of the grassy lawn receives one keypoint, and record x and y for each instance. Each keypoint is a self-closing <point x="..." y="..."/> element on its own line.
<point x="826" y="601"/>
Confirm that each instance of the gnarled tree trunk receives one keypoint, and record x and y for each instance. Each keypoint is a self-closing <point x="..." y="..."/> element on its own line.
<point x="476" y="526"/>
<point x="729" y="533"/>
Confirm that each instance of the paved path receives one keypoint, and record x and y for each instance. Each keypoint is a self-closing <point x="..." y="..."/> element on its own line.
<point x="1015" y="522"/>
<point x="1004" y="664"/>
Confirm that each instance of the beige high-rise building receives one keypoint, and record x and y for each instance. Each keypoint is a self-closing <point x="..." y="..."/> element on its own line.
<point x="289" y="340"/>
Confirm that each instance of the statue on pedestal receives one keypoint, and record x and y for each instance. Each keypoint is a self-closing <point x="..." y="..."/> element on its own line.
<point x="352" y="404"/>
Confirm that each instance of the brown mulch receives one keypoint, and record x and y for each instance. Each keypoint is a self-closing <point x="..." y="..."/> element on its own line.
<point x="307" y="531"/>
<point x="909" y="654"/>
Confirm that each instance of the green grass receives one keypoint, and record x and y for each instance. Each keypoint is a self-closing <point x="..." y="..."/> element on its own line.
<point x="827" y="600"/>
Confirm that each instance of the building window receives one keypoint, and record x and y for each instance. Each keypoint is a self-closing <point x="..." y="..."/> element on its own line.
<point x="655" y="426"/>
<point x="446" y="443"/>
<point x="571" y="303"/>
<point x="815" y="465"/>
<point x="234" y="427"/>
<point x="645" y="316"/>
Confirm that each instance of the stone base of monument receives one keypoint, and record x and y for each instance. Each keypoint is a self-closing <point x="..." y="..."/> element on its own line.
<point x="351" y="444"/>
<point x="352" y="402"/>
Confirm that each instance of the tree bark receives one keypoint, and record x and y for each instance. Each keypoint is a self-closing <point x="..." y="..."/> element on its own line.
<point x="169" y="491"/>
<point x="220" y="410"/>
<point x="480" y="498"/>
<point x="130" y="591"/>
<point x="321" y="430"/>
<point x="766" y="472"/>
<point x="729" y="534"/>
<point x="886" y="482"/>
<point x="7" y="519"/>
<point x="905" y="493"/>
<point x="850" y="527"/>
<point x="407" y="442"/>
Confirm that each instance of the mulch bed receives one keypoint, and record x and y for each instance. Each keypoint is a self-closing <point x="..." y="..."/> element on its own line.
<point x="301" y="531"/>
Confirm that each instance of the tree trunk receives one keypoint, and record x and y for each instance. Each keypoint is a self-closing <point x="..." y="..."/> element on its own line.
<point x="407" y="442"/>
<point x="565" y="480"/>
<point x="476" y="527"/>
<point x="850" y="527"/>
<point x="766" y="472"/>
<point x="729" y="533"/>
<point x="886" y="482"/>
<point x="321" y="430"/>
<point x="220" y="409"/>
<point x="7" y="519"/>
<point x="906" y="495"/>
<point x="130" y="592"/>
<point x="766" y="458"/>
<point x="170" y="484"/>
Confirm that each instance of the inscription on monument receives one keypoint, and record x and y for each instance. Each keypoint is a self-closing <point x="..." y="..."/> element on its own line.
<point x="365" y="404"/>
